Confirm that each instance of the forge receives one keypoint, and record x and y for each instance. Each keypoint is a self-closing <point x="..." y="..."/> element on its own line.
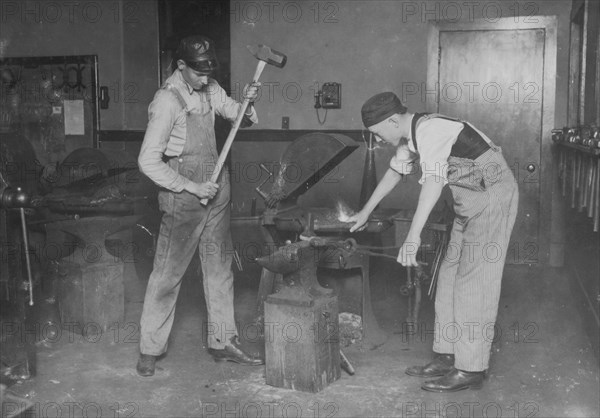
<point x="311" y="238"/>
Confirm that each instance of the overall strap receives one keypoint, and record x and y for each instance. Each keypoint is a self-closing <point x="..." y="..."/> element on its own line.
<point x="413" y="128"/>
<point x="177" y="94"/>
<point x="447" y="118"/>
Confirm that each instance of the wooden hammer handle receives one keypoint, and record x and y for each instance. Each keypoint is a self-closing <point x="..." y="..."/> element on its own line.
<point x="236" y="125"/>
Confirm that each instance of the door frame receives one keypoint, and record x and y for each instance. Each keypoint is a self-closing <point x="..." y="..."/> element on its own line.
<point x="547" y="171"/>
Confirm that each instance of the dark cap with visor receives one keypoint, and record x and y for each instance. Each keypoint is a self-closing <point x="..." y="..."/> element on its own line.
<point x="198" y="52"/>
<point x="380" y="107"/>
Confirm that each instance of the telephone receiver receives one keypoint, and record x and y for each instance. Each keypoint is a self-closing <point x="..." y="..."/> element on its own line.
<point x="104" y="97"/>
<point x="318" y="99"/>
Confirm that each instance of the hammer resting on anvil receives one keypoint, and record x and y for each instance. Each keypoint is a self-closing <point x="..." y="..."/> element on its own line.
<point x="265" y="55"/>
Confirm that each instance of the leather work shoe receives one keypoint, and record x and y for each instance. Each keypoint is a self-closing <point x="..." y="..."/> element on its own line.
<point x="234" y="352"/>
<point x="454" y="381"/>
<point x="145" y="365"/>
<point x="441" y="364"/>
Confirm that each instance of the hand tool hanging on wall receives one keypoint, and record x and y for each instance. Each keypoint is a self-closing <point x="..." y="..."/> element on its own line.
<point x="562" y="171"/>
<point x="597" y="198"/>
<point x="591" y="185"/>
<point x="265" y="55"/>
<point x="579" y="168"/>
<point x="589" y="162"/>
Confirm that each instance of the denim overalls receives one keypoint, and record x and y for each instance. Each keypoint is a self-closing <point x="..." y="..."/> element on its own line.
<point x="188" y="226"/>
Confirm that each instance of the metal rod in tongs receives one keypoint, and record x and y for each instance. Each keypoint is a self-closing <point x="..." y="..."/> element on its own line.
<point x="417" y="284"/>
<point x="238" y="260"/>
<point x="434" y="273"/>
<point x="439" y="255"/>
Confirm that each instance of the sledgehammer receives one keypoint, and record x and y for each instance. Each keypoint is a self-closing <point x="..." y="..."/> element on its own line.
<point x="265" y="55"/>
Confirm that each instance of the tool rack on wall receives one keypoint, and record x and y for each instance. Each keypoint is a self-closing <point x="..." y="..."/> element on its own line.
<point x="579" y="169"/>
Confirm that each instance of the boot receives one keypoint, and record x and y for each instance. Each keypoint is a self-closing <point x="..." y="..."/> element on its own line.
<point x="454" y="381"/>
<point x="441" y="364"/>
<point x="146" y="364"/>
<point x="235" y="353"/>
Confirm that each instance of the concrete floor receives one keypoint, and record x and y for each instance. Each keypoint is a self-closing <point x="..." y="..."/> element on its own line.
<point x="542" y="365"/>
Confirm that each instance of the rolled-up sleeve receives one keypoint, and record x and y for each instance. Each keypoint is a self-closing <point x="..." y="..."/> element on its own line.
<point x="404" y="161"/>
<point x="435" y="139"/>
<point x="162" y="116"/>
<point x="228" y="108"/>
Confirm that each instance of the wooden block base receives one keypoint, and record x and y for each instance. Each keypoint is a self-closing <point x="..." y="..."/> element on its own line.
<point x="302" y="349"/>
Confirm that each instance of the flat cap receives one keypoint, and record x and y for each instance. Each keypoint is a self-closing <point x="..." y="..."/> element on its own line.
<point x="380" y="107"/>
<point x="198" y="52"/>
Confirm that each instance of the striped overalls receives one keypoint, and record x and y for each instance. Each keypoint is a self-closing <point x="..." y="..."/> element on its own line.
<point x="485" y="203"/>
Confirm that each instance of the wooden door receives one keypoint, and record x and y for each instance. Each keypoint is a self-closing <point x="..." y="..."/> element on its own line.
<point x="494" y="79"/>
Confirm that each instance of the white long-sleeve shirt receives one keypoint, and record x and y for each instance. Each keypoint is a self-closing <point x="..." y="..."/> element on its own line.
<point x="166" y="130"/>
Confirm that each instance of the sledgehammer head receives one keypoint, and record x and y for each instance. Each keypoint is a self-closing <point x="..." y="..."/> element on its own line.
<point x="270" y="56"/>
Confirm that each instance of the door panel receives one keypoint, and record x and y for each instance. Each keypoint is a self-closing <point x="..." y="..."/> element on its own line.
<point x="494" y="79"/>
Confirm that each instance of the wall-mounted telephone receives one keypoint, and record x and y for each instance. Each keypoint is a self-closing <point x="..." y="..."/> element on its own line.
<point x="331" y="96"/>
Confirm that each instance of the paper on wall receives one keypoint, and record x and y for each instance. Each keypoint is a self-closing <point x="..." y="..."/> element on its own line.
<point x="74" y="122"/>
